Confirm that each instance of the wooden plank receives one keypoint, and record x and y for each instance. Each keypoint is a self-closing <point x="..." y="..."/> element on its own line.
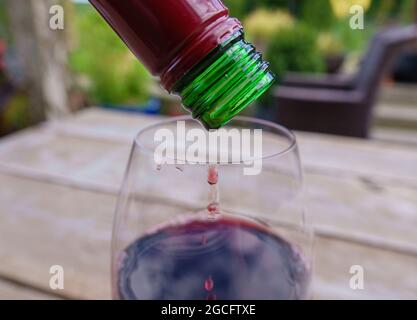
<point x="395" y="135"/>
<point x="324" y="153"/>
<point x="396" y="117"/>
<point x="13" y="291"/>
<point x="104" y="124"/>
<point x="74" y="231"/>
<point x="56" y="225"/>
<point x="397" y="114"/>
<point x="43" y="152"/>
<point x="366" y="215"/>
<point x="399" y="94"/>
<point x="382" y="280"/>
<point x="385" y="163"/>
<point x="360" y="208"/>
<point x="59" y="225"/>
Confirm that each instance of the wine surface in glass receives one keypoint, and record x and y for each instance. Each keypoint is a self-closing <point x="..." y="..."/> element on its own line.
<point x="225" y="259"/>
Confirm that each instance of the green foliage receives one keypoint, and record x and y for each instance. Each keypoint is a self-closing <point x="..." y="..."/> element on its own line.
<point x="241" y="8"/>
<point x="15" y="114"/>
<point x="237" y="8"/>
<point x="352" y="40"/>
<point x="329" y="44"/>
<point x="261" y="24"/>
<point x="317" y="13"/>
<point x="252" y="5"/>
<point x="4" y="30"/>
<point x="407" y="11"/>
<point x="294" y="49"/>
<point x="113" y="73"/>
<point x="373" y="9"/>
<point x="382" y="10"/>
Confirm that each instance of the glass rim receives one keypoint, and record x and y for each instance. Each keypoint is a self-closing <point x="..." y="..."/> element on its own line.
<point x="283" y="131"/>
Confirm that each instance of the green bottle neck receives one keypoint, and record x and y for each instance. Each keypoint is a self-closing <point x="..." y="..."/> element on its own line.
<point x="228" y="80"/>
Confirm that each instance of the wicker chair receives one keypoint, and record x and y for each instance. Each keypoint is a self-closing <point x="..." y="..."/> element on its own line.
<point x="338" y="104"/>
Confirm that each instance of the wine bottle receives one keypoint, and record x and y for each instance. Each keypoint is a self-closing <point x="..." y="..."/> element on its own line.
<point x="196" y="50"/>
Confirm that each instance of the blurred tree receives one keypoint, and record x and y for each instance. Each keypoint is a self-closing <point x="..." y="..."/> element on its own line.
<point x="241" y="8"/>
<point x="43" y="54"/>
<point x="291" y="49"/>
<point x="237" y="8"/>
<point x="112" y="72"/>
<point x="261" y="24"/>
<point x="374" y="8"/>
<point x="317" y="13"/>
<point x="329" y="44"/>
<point x="4" y="32"/>
<point x="353" y="41"/>
<point x="253" y="5"/>
<point x="272" y="3"/>
<point x="294" y="49"/>
<point x="382" y="10"/>
<point x="408" y="11"/>
<point x="342" y="8"/>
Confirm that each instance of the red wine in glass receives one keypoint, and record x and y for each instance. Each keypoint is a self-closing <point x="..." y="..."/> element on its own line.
<point x="238" y="261"/>
<point x="218" y="257"/>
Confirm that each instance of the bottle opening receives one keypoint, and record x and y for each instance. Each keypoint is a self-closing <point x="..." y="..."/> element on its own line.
<point x="226" y="82"/>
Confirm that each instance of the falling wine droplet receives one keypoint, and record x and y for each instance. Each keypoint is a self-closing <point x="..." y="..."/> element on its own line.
<point x="158" y="167"/>
<point x="213" y="208"/>
<point x="213" y="175"/>
<point x="209" y="284"/>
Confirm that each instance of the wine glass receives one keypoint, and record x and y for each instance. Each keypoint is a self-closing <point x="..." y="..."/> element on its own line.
<point x="212" y="215"/>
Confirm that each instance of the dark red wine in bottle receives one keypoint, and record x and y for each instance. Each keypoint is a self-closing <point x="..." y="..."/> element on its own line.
<point x="225" y="259"/>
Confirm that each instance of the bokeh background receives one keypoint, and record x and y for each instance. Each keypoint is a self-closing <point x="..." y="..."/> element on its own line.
<point x="95" y="68"/>
<point x="72" y="100"/>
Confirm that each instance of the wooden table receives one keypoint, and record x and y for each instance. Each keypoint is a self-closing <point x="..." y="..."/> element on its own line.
<point x="59" y="184"/>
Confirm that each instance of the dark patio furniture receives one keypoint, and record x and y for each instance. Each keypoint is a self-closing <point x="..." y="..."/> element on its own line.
<point x="339" y="104"/>
<point x="406" y="68"/>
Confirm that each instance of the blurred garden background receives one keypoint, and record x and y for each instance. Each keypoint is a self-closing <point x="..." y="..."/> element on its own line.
<point x="95" y="67"/>
<point x="72" y="99"/>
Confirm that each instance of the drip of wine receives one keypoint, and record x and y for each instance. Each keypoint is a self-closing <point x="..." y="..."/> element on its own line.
<point x="213" y="207"/>
<point x="209" y="284"/>
<point x="213" y="175"/>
